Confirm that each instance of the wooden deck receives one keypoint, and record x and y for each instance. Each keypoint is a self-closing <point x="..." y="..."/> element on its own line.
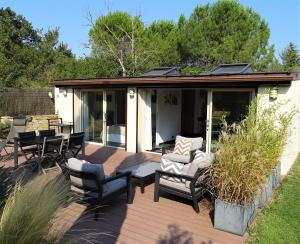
<point x="169" y="221"/>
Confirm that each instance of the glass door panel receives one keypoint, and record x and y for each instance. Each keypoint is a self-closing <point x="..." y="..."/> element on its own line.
<point x="116" y="117"/>
<point x="92" y="115"/>
<point x="230" y="105"/>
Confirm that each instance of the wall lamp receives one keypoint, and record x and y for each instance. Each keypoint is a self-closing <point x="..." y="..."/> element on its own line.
<point x="131" y="92"/>
<point x="273" y="93"/>
<point x="65" y="92"/>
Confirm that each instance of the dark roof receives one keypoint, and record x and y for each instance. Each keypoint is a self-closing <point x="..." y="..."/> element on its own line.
<point x="255" y="78"/>
<point x="242" y="68"/>
<point x="162" y="71"/>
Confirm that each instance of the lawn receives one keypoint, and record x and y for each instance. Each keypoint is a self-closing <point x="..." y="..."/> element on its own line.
<point x="279" y="222"/>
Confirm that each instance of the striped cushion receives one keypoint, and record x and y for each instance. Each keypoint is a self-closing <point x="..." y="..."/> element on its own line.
<point x="182" y="147"/>
<point x="172" y="167"/>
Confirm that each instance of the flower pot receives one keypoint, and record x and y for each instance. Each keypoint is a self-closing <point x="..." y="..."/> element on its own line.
<point x="232" y="217"/>
<point x="266" y="191"/>
<point x="276" y="175"/>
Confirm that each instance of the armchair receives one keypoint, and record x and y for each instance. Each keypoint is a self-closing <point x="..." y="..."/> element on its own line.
<point x="93" y="186"/>
<point x="187" y="184"/>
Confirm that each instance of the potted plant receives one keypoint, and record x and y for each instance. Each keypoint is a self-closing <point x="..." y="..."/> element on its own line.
<point x="243" y="167"/>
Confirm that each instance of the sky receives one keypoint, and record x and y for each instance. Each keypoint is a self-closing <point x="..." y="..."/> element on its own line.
<point x="282" y="16"/>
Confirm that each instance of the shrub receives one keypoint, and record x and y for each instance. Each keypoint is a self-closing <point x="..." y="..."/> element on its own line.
<point x="29" y="211"/>
<point x="4" y="128"/>
<point x="247" y="152"/>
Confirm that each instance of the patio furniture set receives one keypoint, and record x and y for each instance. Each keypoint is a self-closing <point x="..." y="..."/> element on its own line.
<point x="44" y="150"/>
<point x="179" y="173"/>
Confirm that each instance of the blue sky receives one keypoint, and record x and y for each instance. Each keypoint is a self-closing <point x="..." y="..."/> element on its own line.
<point x="283" y="16"/>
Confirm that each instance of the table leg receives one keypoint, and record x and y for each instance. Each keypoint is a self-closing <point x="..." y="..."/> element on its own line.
<point x="15" y="153"/>
<point x="142" y="185"/>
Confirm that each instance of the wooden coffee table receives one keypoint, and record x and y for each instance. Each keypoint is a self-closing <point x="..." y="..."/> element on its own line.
<point x="142" y="172"/>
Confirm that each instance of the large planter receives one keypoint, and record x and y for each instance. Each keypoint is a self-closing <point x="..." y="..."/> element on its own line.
<point x="266" y="191"/>
<point x="233" y="218"/>
<point x="276" y="175"/>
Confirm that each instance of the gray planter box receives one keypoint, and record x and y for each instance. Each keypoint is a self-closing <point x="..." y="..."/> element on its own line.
<point x="266" y="191"/>
<point x="233" y="218"/>
<point x="276" y="175"/>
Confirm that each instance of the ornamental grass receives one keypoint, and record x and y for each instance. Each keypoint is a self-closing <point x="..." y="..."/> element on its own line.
<point x="247" y="152"/>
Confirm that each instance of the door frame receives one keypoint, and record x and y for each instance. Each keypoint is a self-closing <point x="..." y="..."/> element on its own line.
<point x="210" y="108"/>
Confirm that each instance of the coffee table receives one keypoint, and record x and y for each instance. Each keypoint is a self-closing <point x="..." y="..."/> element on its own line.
<point x="142" y="172"/>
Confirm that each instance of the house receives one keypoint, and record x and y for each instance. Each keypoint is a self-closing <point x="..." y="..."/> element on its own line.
<point x="143" y="113"/>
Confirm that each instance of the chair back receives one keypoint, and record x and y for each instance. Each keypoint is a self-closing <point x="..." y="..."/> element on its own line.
<point x="47" y="133"/>
<point x="20" y="124"/>
<point x="52" y="145"/>
<point x="86" y="177"/>
<point x="27" y="138"/>
<point x="76" y="139"/>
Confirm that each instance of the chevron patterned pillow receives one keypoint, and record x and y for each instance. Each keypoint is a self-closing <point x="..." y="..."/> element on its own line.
<point x="172" y="167"/>
<point x="182" y="147"/>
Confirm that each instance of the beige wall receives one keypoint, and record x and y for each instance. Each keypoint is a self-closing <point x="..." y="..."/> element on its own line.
<point x="64" y="104"/>
<point x="290" y="95"/>
<point x="77" y="110"/>
<point x="131" y="121"/>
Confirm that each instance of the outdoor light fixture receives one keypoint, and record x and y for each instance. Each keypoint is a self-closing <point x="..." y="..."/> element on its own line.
<point x="273" y="94"/>
<point x="50" y="94"/>
<point x="131" y="92"/>
<point x="65" y="92"/>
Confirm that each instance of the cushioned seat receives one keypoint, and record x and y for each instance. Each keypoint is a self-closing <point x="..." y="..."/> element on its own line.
<point x="113" y="186"/>
<point x="176" y="185"/>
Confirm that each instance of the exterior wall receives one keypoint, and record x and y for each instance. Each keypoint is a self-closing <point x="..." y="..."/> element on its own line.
<point x="168" y="121"/>
<point x="64" y="104"/>
<point x="131" y="120"/>
<point x="291" y="96"/>
<point x="77" y="111"/>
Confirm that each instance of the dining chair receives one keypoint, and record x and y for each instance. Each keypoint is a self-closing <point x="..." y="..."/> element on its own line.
<point x="74" y="145"/>
<point x="51" y="156"/>
<point x="47" y="133"/>
<point x="27" y="144"/>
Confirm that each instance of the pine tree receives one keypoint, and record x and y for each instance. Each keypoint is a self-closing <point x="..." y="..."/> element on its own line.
<point x="290" y="57"/>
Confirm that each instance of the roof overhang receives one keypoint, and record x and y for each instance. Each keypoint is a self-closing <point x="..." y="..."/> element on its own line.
<point x="254" y="79"/>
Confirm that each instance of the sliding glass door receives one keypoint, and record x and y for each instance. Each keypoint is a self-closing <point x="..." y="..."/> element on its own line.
<point x="92" y="115"/>
<point x="115" y="117"/>
<point x="229" y="105"/>
<point x="104" y="116"/>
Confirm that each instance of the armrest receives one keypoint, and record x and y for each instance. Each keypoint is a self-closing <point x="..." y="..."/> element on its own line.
<point x="118" y="176"/>
<point x="186" y="177"/>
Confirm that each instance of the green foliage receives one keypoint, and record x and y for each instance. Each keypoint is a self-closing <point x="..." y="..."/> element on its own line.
<point x="290" y="57"/>
<point x="248" y="151"/>
<point x="225" y="32"/>
<point x="29" y="211"/>
<point x="4" y="128"/>
<point x="279" y="222"/>
<point x="27" y="57"/>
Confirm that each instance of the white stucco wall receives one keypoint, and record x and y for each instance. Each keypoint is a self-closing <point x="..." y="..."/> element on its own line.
<point x="64" y="104"/>
<point x="131" y="120"/>
<point x="290" y="95"/>
<point x="77" y="110"/>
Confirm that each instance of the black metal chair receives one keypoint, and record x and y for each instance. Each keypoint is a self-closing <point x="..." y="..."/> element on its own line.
<point x="188" y="186"/>
<point x="27" y="144"/>
<point x="51" y="156"/>
<point x="47" y="133"/>
<point x="74" y="145"/>
<point x="89" y="182"/>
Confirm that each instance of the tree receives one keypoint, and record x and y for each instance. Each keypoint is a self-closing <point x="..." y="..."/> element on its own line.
<point x="224" y="32"/>
<point x="290" y="57"/>
<point x="27" y="57"/>
<point x="118" y="36"/>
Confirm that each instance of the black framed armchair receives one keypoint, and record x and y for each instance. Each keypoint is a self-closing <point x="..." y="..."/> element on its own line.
<point x="89" y="182"/>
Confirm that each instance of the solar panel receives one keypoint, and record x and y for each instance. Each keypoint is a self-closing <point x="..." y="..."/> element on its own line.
<point x="242" y="68"/>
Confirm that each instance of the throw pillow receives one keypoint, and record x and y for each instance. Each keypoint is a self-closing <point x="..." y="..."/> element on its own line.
<point x="172" y="167"/>
<point x="182" y="147"/>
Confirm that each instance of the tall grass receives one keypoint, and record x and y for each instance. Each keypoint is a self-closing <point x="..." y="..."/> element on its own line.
<point x="29" y="211"/>
<point x="247" y="152"/>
